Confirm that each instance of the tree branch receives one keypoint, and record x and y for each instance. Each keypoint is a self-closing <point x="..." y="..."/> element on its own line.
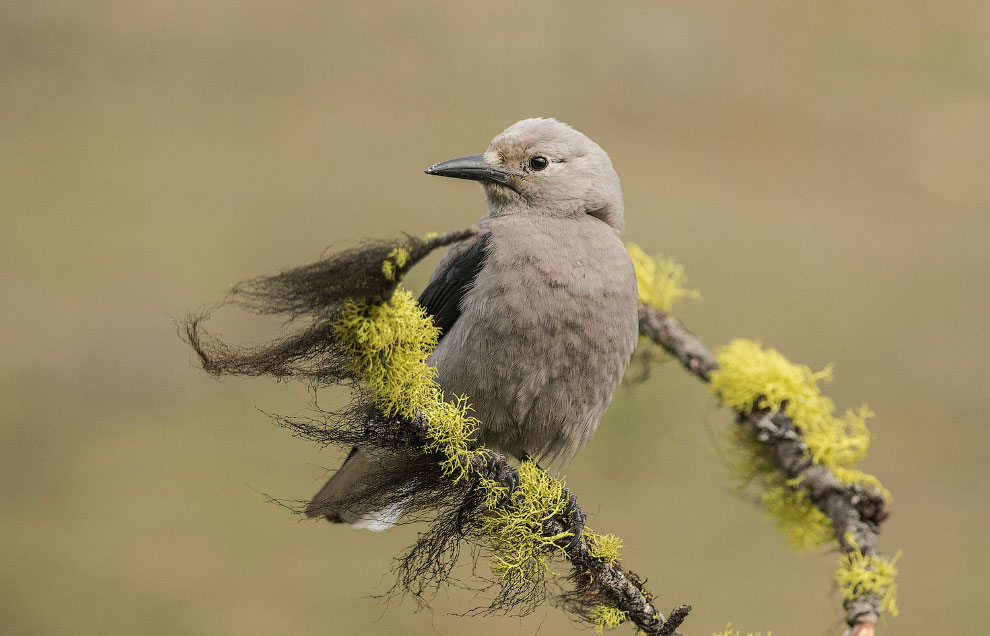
<point x="608" y="580"/>
<point x="321" y="292"/>
<point x="856" y="511"/>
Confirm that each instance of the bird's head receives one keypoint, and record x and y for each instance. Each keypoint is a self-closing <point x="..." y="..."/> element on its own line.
<point x="543" y="167"/>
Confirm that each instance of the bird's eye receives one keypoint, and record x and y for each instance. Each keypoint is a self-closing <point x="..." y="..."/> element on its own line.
<point x="538" y="163"/>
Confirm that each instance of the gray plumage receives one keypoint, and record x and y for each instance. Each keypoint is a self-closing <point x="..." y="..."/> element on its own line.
<point x="538" y="312"/>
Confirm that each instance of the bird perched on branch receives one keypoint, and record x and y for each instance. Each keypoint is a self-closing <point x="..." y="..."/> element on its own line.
<point x="537" y="313"/>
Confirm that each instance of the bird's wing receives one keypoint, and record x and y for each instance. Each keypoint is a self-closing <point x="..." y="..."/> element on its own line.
<point x="453" y="278"/>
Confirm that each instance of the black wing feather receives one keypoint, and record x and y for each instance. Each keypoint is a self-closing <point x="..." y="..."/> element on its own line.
<point x="442" y="297"/>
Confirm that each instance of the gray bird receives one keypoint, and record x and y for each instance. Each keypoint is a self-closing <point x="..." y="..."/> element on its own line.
<point x="538" y="312"/>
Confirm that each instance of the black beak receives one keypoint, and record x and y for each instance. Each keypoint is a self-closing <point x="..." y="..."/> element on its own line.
<point x="472" y="167"/>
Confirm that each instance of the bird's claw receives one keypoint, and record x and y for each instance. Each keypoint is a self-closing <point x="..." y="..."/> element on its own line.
<point x="514" y="483"/>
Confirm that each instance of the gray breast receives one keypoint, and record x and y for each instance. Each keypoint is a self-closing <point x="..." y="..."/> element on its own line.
<point x="544" y="335"/>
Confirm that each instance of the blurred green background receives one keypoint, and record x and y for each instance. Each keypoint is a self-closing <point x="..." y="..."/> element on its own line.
<point x="819" y="168"/>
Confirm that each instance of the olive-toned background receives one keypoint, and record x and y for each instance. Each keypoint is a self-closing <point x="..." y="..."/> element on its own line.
<point x="819" y="168"/>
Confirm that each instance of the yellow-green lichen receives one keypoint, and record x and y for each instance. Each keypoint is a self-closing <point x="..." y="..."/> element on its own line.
<point x="604" y="547"/>
<point x="604" y="617"/>
<point x="751" y="377"/>
<point x="493" y="492"/>
<point x="805" y="526"/>
<point x="452" y="432"/>
<point x="520" y="551"/>
<point x="394" y="262"/>
<point x="660" y="279"/>
<point x="389" y="344"/>
<point x="728" y="631"/>
<point x="862" y="574"/>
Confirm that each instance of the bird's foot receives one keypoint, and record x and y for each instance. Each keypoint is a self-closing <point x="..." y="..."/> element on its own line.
<point x="494" y="467"/>
<point x="500" y="471"/>
<point x="575" y="518"/>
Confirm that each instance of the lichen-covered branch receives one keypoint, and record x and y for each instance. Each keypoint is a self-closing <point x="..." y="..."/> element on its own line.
<point x="597" y="578"/>
<point x="355" y="326"/>
<point x="856" y="511"/>
<point x="358" y="327"/>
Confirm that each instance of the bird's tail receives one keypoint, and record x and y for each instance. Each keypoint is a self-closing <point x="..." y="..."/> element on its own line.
<point x="345" y="497"/>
